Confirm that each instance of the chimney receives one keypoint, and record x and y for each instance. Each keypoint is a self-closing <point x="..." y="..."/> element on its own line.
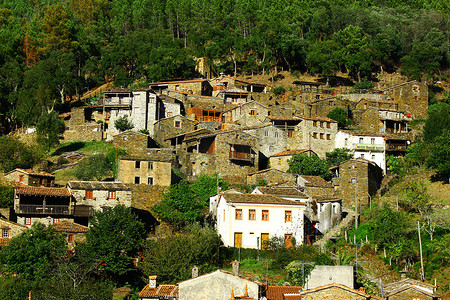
<point x="235" y="265"/>
<point x="152" y="282"/>
<point x="194" y="272"/>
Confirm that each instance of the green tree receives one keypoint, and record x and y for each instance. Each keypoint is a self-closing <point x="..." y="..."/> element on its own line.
<point x="303" y="164"/>
<point x="417" y="197"/>
<point x="97" y="167"/>
<point x="123" y="124"/>
<point x="113" y="240"/>
<point x="440" y="153"/>
<point x="6" y="195"/>
<point x="49" y="128"/>
<point x="16" y="154"/>
<point x="423" y="60"/>
<point x="340" y="115"/>
<point x="33" y="254"/>
<point x="338" y="155"/>
<point x="206" y="185"/>
<point x="438" y="120"/>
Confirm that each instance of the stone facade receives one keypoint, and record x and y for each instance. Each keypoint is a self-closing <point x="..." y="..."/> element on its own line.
<point x="172" y="126"/>
<point x="411" y="292"/>
<point x="323" y="275"/>
<point x="358" y="178"/>
<point x="142" y="170"/>
<point x="195" y="86"/>
<point x="217" y="285"/>
<point x="318" y="134"/>
<point x="323" y="106"/>
<point x="411" y="97"/>
<point x="326" y="210"/>
<point x="81" y="126"/>
<point x="30" y="177"/>
<point x="248" y="114"/>
<point x="381" y="121"/>
<point x="334" y="291"/>
<point x="270" y="176"/>
<point x="9" y="230"/>
<point x="134" y="142"/>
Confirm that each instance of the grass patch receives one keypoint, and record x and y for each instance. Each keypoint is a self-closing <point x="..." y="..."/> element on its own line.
<point x="85" y="147"/>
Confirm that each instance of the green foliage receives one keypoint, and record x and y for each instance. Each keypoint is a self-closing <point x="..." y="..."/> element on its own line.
<point x="298" y="273"/>
<point x="305" y="165"/>
<point x="417" y="197"/>
<point x="205" y="186"/>
<point x="438" y="120"/>
<point x="173" y="257"/>
<point x="95" y="167"/>
<point x="33" y="253"/>
<point x="144" y="131"/>
<point x="423" y="60"/>
<point x="340" y="115"/>
<point x="338" y="156"/>
<point x="123" y="124"/>
<point x="113" y="240"/>
<point x="396" y="165"/>
<point x="440" y="153"/>
<point x="16" y="154"/>
<point x="279" y="90"/>
<point x="49" y="128"/>
<point x="363" y="85"/>
<point x="6" y="195"/>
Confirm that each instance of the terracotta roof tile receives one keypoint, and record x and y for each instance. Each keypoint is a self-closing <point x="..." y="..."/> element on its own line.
<point x="258" y="199"/>
<point x="289" y="152"/>
<point x="69" y="226"/>
<point x="42" y="191"/>
<point x="163" y="290"/>
<point x="316" y="181"/>
<point x="33" y="172"/>
<point x="277" y="292"/>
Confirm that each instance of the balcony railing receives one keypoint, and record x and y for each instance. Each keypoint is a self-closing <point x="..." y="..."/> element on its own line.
<point x="396" y="147"/>
<point x="208" y="119"/>
<point x="44" y="209"/>
<point x="241" y="156"/>
<point x="369" y="147"/>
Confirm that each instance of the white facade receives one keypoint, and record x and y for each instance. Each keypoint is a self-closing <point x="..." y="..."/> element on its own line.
<point x="369" y="147"/>
<point x="256" y="219"/>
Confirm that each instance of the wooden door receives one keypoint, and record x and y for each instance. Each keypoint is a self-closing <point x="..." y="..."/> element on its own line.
<point x="288" y="240"/>
<point x="264" y="238"/>
<point x="238" y="239"/>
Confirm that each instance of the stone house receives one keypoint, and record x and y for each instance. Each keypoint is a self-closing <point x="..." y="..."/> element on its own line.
<point x="194" y="86"/>
<point x="94" y="195"/>
<point x="357" y="179"/>
<point x="382" y="121"/>
<point x="219" y="285"/>
<point x="81" y="126"/>
<point x="75" y="233"/>
<point x="47" y="205"/>
<point x="321" y="107"/>
<point x="234" y="96"/>
<point x="400" y="285"/>
<point x="411" y="292"/>
<point x="280" y="160"/>
<point x="229" y="82"/>
<point x="152" y="291"/>
<point x="9" y="230"/>
<point x="144" y="170"/>
<point x="270" y="177"/>
<point x="251" y="113"/>
<point x="334" y="291"/>
<point x="202" y="114"/>
<point x="248" y="220"/>
<point x="30" y="177"/>
<point x="134" y="142"/>
<point x="172" y="126"/>
<point x="231" y="153"/>
<point x="377" y="103"/>
<point x="315" y="186"/>
<point x="411" y="97"/>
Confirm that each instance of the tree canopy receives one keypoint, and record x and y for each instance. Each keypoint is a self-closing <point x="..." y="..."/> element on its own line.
<point x="308" y="165"/>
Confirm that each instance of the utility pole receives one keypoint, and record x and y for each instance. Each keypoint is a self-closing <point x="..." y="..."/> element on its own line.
<point x="355" y="182"/>
<point x="422" y="274"/>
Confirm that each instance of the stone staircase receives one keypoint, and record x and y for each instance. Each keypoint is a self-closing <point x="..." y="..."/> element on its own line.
<point x="336" y="231"/>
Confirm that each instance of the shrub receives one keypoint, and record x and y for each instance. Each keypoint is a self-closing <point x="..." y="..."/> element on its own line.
<point x="279" y="90"/>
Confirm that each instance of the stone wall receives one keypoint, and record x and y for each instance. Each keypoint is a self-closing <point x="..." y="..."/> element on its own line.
<point x="410" y="294"/>
<point x="83" y="133"/>
<point x="13" y="229"/>
<point x="323" y="275"/>
<point x="271" y="177"/>
<point x="134" y="143"/>
<point x="145" y="196"/>
<point x="101" y="198"/>
<point x="158" y="171"/>
<point x="333" y="293"/>
<point x="318" y="135"/>
<point x="248" y="114"/>
<point x="324" y="106"/>
<point x="173" y="126"/>
<point x="411" y="97"/>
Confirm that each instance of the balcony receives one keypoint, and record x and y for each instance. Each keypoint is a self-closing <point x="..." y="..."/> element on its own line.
<point x="369" y="147"/>
<point x="43" y="209"/>
<point x="243" y="156"/>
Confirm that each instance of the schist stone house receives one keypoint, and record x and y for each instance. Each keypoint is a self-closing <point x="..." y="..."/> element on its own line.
<point x="172" y="126"/>
<point x="9" y="230"/>
<point x="30" y="177"/>
<point x="248" y="220"/>
<point x="75" y="233"/>
<point x="247" y="114"/>
<point x="144" y="170"/>
<point x="195" y="86"/>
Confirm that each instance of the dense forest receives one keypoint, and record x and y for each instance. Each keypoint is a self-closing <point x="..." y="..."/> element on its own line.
<point x="55" y="50"/>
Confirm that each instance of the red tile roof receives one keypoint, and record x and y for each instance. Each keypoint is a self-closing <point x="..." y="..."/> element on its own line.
<point x="42" y="191"/>
<point x="163" y="290"/>
<point x="258" y="199"/>
<point x="277" y="292"/>
<point x="69" y="226"/>
<point x="289" y="152"/>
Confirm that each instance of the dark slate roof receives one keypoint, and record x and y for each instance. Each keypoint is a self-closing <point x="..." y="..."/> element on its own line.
<point x="69" y="226"/>
<point x="282" y="191"/>
<point x="258" y="199"/>
<point x="290" y="152"/>
<point x="98" y="185"/>
<point x="316" y="181"/>
<point x="324" y="199"/>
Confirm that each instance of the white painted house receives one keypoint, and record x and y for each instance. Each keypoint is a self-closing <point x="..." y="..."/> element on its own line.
<point x="247" y="220"/>
<point x="363" y="145"/>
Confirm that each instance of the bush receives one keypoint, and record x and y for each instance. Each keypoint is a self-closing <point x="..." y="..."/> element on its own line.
<point x="340" y="115"/>
<point x="279" y="90"/>
<point x="364" y="85"/>
<point x="123" y="124"/>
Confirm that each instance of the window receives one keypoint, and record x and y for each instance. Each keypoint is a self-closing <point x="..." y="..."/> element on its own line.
<point x="288" y="240"/>
<point x="137" y="180"/>
<point x="362" y="155"/>
<point x="321" y="124"/>
<point x="20" y="178"/>
<point x="266" y="133"/>
<point x="346" y="142"/>
<point x="238" y="214"/>
<point x="89" y="195"/>
<point x="27" y="221"/>
<point x="373" y="156"/>
<point x="322" y="207"/>
<point x="321" y="136"/>
<point x="111" y="194"/>
<point x="361" y="140"/>
<point x="42" y="181"/>
<point x="252" y="112"/>
<point x="137" y="164"/>
<point x="252" y="214"/>
<point x="150" y="165"/>
<point x="330" y="103"/>
<point x="328" y="136"/>
<point x="70" y="238"/>
<point x="279" y="161"/>
<point x="372" y="141"/>
<point x="315" y="135"/>
<point x="287" y="216"/>
<point x="55" y="220"/>
<point x="150" y="181"/>
<point x="177" y="124"/>
<point x="276" y="135"/>
<point x="335" y="208"/>
<point x="315" y="123"/>
<point x="265" y="215"/>
<point x="328" y="125"/>
<point x="5" y="233"/>
<point x="271" y="148"/>
<point x="290" y="134"/>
